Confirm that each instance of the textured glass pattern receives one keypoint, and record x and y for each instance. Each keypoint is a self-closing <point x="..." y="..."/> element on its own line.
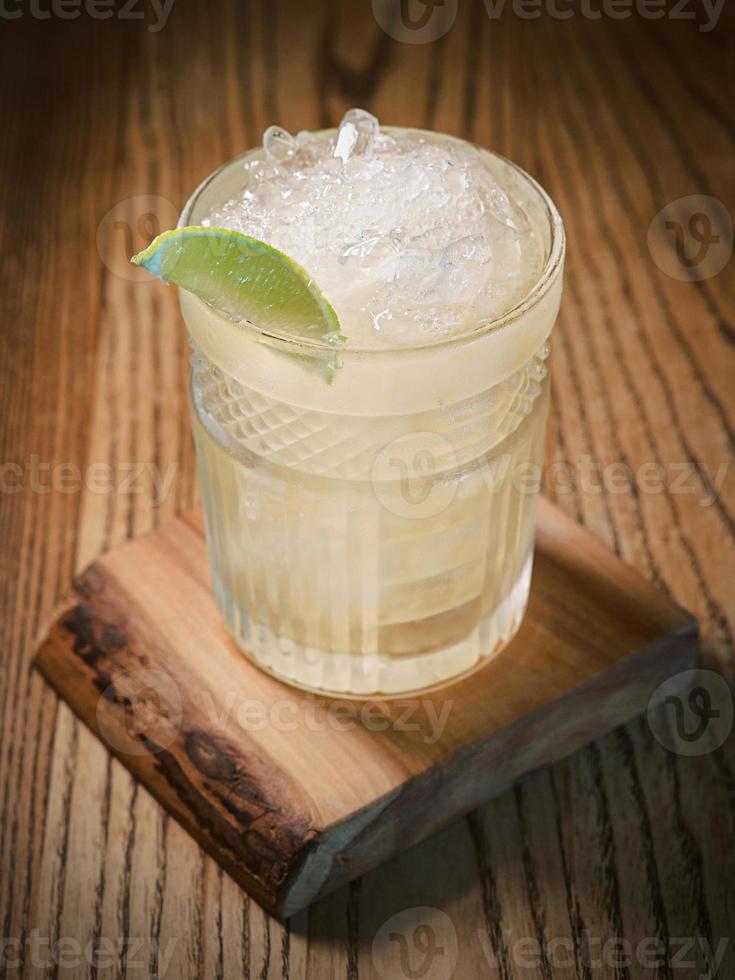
<point x="370" y="554"/>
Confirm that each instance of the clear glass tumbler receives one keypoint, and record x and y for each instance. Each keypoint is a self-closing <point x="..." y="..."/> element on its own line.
<point x="372" y="533"/>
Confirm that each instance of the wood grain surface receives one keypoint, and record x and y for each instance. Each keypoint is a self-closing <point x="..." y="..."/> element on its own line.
<point x="107" y="126"/>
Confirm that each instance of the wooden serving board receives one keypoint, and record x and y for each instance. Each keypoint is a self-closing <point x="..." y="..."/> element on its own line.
<point x="295" y="794"/>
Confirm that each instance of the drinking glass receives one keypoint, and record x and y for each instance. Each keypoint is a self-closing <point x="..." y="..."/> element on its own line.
<point x="370" y="513"/>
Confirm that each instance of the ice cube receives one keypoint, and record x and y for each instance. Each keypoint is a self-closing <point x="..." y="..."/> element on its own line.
<point x="279" y="145"/>
<point x="346" y="141"/>
<point x="358" y="133"/>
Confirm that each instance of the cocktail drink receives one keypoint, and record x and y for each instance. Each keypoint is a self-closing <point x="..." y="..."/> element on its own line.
<point x="369" y="495"/>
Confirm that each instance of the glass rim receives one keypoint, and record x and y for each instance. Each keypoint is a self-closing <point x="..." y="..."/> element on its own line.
<point x="533" y="296"/>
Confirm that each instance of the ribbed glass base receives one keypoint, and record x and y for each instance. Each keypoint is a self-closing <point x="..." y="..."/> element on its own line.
<point x="345" y="673"/>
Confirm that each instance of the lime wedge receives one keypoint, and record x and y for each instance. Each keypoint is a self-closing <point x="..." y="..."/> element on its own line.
<point x="243" y="277"/>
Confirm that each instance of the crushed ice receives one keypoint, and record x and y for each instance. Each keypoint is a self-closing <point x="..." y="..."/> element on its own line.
<point x="410" y="239"/>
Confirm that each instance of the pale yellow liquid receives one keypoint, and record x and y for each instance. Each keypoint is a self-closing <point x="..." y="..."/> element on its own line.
<point x="334" y="576"/>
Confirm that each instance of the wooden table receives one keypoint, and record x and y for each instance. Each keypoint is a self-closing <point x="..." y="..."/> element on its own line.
<point x="617" y="118"/>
